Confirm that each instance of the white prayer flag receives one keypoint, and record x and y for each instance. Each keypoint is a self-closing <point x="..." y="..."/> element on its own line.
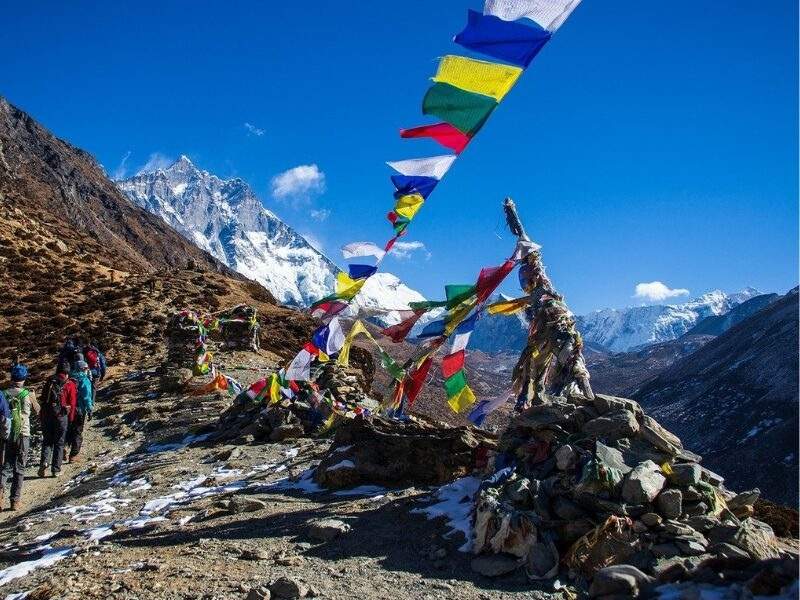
<point x="550" y="14"/>
<point x="335" y="337"/>
<point x="434" y="166"/>
<point x="357" y="249"/>
<point x="524" y="248"/>
<point x="300" y="369"/>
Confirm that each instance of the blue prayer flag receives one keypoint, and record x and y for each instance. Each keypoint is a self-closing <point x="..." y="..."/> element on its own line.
<point x="413" y="184"/>
<point x="432" y="329"/>
<point x="320" y="337"/>
<point x="362" y="271"/>
<point x="505" y="40"/>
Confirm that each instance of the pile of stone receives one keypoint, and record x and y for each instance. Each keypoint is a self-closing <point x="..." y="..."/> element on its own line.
<point x="391" y="452"/>
<point x="239" y="328"/>
<point x="598" y="491"/>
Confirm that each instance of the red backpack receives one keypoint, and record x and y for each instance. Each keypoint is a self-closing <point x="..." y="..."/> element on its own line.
<point x="92" y="358"/>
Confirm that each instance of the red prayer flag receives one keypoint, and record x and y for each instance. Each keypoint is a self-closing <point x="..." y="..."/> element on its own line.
<point x="416" y="380"/>
<point x="444" y="133"/>
<point x="399" y="331"/>
<point x="390" y="243"/>
<point x="491" y="277"/>
<point x="452" y="364"/>
<point x="311" y="348"/>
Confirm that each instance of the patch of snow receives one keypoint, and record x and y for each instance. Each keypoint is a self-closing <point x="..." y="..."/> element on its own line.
<point x="345" y="464"/>
<point x="50" y="557"/>
<point x="456" y="500"/>
<point x="373" y="491"/>
<point x="305" y="483"/>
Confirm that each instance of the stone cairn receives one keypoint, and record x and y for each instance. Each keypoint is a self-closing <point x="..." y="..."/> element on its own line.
<point x="598" y="491"/>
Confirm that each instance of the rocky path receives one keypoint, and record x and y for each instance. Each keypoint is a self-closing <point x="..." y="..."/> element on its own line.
<point x="157" y="512"/>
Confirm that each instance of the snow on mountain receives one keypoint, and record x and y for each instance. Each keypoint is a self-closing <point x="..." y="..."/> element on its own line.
<point x="618" y="330"/>
<point x="225" y="218"/>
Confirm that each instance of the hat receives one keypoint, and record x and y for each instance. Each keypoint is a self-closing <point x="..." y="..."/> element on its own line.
<point x="81" y="364"/>
<point x="19" y="372"/>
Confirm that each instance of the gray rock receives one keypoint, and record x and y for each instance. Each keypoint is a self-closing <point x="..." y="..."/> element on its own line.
<point x="665" y="550"/>
<point x="643" y="483"/>
<point x="651" y="519"/>
<point x="285" y="432"/>
<point x="254" y="554"/>
<point x="670" y="503"/>
<point x="690" y="547"/>
<point x="612" y="457"/>
<point x="727" y="551"/>
<point x="566" y="509"/>
<point x="287" y="588"/>
<point x="245" y="504"/>
<point x="695" y="509"/>
<point x="711" y="477"/>
<point x="625" y="580"/>
<point x="542" y="561"/>
<point x="565" y="457"/>
<point x="604" y="404"/>
<point x="685" y="474"/>
<point x="326" y="530"/>
<point x="747" y="498"/>
<point x="659" y="437"/>
<point x="757" y="539"/>
<point x="494" y="565"/>
<point x="259" y="593"/>
<point x="613" y="425"/>
<point x="703" y="523"/>
<point x="519" y="490"/>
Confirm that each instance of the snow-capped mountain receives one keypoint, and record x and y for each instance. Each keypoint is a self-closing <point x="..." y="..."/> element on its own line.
<point x="618" y="330"/>
<point x="225" y="218"/>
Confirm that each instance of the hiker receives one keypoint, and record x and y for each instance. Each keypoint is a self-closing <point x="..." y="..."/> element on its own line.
<point x="68" y="354"/>
<point x="22" y="402"/>
<point x="59" y="402"/>
<point x="85" y="404"/>
<point x="96" y="361"/>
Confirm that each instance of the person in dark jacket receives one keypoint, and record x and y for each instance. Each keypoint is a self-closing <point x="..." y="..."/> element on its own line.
<point x="85" y="404"/>
<point x="68" y="355"/>
<point x="96" y="361"/>
<point x="59" y="407"/>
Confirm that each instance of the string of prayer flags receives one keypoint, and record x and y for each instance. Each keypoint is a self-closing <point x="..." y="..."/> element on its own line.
<point x="400" y="331"/>
<point x="459" y="394"/>
<point x="464" y="110"/>
<point x="504" y="40"/>
<point x="433" y="166"/>
<point x="480" y="77"/>
<point x="508" y="307"/>
<point x="329" y="338"/>
<point x="444" y="133"/>
<point x="357" y="329"/>
<point x="391" y="367"/>
<point x="462" y="333"/>
<point x="327" y="309"/>
<point x="346" y="286"/>
<point x="361" y="271"/>
<point x="359" y="249"/>
<point x="456" y="294"/>
<point x="548" y="14"/>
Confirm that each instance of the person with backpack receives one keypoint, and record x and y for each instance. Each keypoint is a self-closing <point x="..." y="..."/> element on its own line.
<point x="96" y="361"/>
<point x="5" y="425"/>
<point x="21" y="402"/>
<point x="85" y="404"/>
<point x="59" y="406"/>
<point x="67" y="357"/>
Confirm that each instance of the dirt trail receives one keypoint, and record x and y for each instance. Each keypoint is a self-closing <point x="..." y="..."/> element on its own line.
<point x="156" y="512"/>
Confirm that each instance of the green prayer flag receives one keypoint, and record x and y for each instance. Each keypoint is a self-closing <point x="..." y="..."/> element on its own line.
<point x="455" y="383"/>
<point x="456" y="294"/>
<point x="427" y="304"/>
<point x="387" y="362"/>
<point x="464" y="110"/>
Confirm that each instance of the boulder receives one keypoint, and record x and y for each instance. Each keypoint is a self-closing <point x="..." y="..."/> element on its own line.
<point x="650" y="519"/>
<point x="613" y="425"/>
<point x="643" y="483"/>
<point x="326" y="530"/>
<point x="259" y="592"/>
<point x="604" y="404"/>
<point x="622" y="580"/>
<point x="287" y="588"/>
<point x="565" y="457"/>
<point x="660" y="438"/>
<point x="670" y="503"/>
<point x="494" y="565"/>
<point x="685" y="474"/>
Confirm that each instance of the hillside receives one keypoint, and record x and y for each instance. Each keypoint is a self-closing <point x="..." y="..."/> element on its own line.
<point x="735" y="401"/>
<point x="77" y="257"/>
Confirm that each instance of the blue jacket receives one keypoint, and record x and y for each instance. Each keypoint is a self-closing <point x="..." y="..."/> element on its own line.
<point x="85" y="400"/>
<point x="5" y="409"/>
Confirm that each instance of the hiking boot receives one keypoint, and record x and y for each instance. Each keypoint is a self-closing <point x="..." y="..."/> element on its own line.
<point x="15" y="502"/>
<point x="66" y="455"/>
<point x="42" y="471"/>
<point x="74" y="459"/>
<point x="56" y="473"/>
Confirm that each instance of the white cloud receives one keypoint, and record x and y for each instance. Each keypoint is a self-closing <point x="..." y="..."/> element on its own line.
<point x="253" y="130"/>
<point x="404" y="250"/>
<point x="122" y="167"/>
<point x="655" y="291"/>
<point x="299" y="185"/>
<point x="155" y="162"/>
<point x="320" y="214"/>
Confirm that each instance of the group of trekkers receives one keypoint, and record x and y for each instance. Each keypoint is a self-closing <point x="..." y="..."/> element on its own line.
<point x="66" y="404"/>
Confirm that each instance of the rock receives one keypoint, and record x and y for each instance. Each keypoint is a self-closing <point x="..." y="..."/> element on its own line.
<point x="695" y="509"/>
<point x="711" y="477"/>
<point x="287" y="588"/>
<point x="685" y="474"/>
<point x="747" y="498"/>
<point x="519" y="490"/>
<point x="565" y="457"/>
<point x="612" y="458"/>
<point x="246" y="504"/>
<point x="613" y="425"/>
<point x="659" y="437"/>
<point x="228" y="453"/>
<point x="650" y="519"/>
<point x="625" y="580"/>
<point x="728" y="551"/>
<point x="326" y="530"/>
<point x="757" y="539"/>
<point x="254" y="554"/>
<point x="542" y="560"/>
<point x="665" y="550"/>
<point x="643" y="483"/>
<point x="670" y="503"/>
<point x="690" y="547"/>
<point x="290" y="561"/>
<point x="285" y="432"/>
<point x="258" y="593"/>
<point x="494" y="565"/>
<point x="605" y="404"/>
<point x="566" y="509"/>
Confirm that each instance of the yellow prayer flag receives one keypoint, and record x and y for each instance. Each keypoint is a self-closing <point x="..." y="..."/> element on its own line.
<point x="463" y="400"/>
<point x="458" y="314"/>
<point x="508" y="307"/>
<point x="274" y="389"/>
<point x="344" y="354"/>
<point x="478" y="76"/>
<point x="347" y="287"/>
<point x="407" y="206"/>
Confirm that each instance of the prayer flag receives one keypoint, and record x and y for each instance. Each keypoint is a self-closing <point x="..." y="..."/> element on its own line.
<point x="432" y="329"/>
<point x="335" y="337"/>
<point x="416" y="381"/>
<point x="300" y="367"/>
<point x="274" y="389"/>
<point x="320" y="337"/>
<point x="346" y="286"/>
<point x="388" y="363"/>
<point x="457" y="315"/>
<point x="407" y="206"/>
<point x="434" y="166"/>
<point x="427" y="304"/>
<point x="413" y="184"/>
<point x="482" y="409"/>
<point x="444" y="133"/>
<point x="508" y="307"/>
<point x="477" y="76"/>
<point x="452" y="364"/>
<point x="491" y="277"/>
<point x="255" y="388"/>
<point x="399" y="331"/>
<point x="455" y="383"/>
<point x="510" y="42"/>
<point x="456" y="294"/>
<point x="357" y="329"/>
<point x="464" y="110"/>
<point x="358" y="249"/>
<point x="463" y="400"/>
<point x="462" y="333"/>
<point x="362" y="271"/>
<point x="549" y="14"/>
<point x="524" y="248"/>
<point x="328" y="309"/>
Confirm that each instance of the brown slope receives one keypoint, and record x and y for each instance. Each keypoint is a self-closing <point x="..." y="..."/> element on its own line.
<point x="76" y="257"/>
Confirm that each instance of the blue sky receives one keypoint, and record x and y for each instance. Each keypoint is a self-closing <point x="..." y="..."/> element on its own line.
<point x="648" y="141"/>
